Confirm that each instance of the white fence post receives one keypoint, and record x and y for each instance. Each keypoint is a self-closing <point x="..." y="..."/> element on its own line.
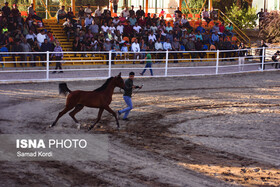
<point x="48" y="65"/>
<point x="110" y="63"/>
<point x="217" y="62"/>
<point x="263" y="55"/>
<point x="166" y="63"/>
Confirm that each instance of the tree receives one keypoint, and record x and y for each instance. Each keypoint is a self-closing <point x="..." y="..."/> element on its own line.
<point x="242" y="17"/>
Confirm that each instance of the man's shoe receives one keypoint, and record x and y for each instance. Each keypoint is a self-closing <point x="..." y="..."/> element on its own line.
<point x="53" y="72"/>
<point x="126" y="119"/>
<point x="60" y="72"/>
<point x="141" y="74"/>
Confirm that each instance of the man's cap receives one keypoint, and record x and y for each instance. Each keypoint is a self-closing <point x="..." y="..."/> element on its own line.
<point x="132" y="73"/>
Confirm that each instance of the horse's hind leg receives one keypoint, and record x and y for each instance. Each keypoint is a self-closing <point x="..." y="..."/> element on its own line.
<point x="64" y="111"/>
<point x="98" y="118"/>
<point x="77" y="109"/>
<point x="114" y="114"/>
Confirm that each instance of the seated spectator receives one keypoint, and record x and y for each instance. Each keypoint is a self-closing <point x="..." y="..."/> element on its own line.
<point x="46" y="46"/>
<point x="168" y="28"/>
<point x="215" y="38"/>
<point x="137" y="29"/>
<point x="70" y="15"/>
<point x="206" y="37"/>
<point x="41" y="37"/>
<point x="212" y="47"/>
<point x="216" y="28"/>
<point x="88" y="21"/>
<point x="191" y="47"/>
<point x="192" y="36"/>
<point x="198" y="36"/>
<point x="227" y="46"/>
<point x="199" y="47"/>
<point x="176" y="46"/>
<point x="128" y="30"/>
<point x="154" y="28"/>
<point x="94" y="28"/>
<point x="89" y="34"/>
<point x="143" y="47"/>
<point x="117" y="36"/>
<point x="112" y="28"/>
<point x="94" y="45"/>
<point x="229" y="30"/>
<point x="200" y="29"/>
<point x="135" y="47"/>
<point x="50" y="37"/>
<point x="152" y="37"/>
<point x="3" y="50"/>
<point x="104" y="27"/>
<point x="110" y="36"/>
<point x="61" y="14"/>
<point x="150" y="45"/>
<point x="132" y="20"/>
<point x="107" y="46"/>
<point x="89" y="11"/>
<point x="116" y="21"/>
<point x="167" y="45"/>
<point x="122" y="19"/>
<point x="148" y="19"/>
<point x="69" y="29"/>
<point x="30" y="36"/>
<point x="124" y="49"/>
<point x="16" y="48"/>
<point x="141" y="21"/>
<point x="31" y="12"/>
<point x="25" y="47"/>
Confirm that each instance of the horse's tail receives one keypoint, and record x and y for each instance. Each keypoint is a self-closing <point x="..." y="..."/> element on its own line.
<point x="63" y="89"/>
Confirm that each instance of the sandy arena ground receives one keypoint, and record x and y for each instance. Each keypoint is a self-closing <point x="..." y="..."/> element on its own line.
<point x="187" y="131"/>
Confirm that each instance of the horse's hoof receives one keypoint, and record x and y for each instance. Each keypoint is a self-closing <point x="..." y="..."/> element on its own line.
<point x="90" y="127"/>
<point x="78" y="126"/>
<point x="50" y="126"/>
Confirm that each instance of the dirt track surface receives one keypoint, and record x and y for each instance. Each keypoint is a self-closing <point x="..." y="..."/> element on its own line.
<point x="187" y="131"/>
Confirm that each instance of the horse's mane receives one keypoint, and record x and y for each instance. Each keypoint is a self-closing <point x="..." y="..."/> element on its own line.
<point x="104" y="86"/>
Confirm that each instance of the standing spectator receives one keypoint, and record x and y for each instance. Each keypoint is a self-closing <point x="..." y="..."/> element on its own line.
<point x="58" y="57"/>
<point x="31" y="13"/>
<point x="46" y="46"/>
<point x="178" y="13"/>
<point x="261" y="18"/>
<point x="205" y="15"/>
<point x="275" y="59"/>
<point x="262" y="52"/>
<point x="97" y="12"/>
<point x="241" y="54"/>
<point x="61" y="14"/>
<point x="41" y="37"/>
<point x="115" y="5"/>
<point x="131" y="11"/>
<point x="3" y="49"/>
<point x="88" y="9"/>
<point x="125" y="12"/>
<point x="148" y="64"/>
<point x="135" y="47"/>
<point x="81" y="14"/>
<point x="25" y="47"/>
<point x="128" y="30"/>
<point x="15" y="12"/>
<point x="6" y="10"/>
<point x="140" y="13"/>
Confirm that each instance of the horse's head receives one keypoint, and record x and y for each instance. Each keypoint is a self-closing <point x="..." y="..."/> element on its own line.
<point x="119" y="81"/>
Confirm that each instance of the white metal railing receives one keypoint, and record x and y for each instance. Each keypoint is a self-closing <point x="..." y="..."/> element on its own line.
<point x="164" y="64"/>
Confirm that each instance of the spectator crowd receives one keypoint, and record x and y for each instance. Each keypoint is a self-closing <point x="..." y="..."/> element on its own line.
<point x="97" y="30"/>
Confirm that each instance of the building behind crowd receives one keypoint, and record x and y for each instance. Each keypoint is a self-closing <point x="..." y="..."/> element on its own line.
<point x="270" y="5"/>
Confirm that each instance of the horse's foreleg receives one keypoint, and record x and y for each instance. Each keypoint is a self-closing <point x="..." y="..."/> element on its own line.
<point x="98" y="118"/>
<point x="114" y="114"/>
<point x="64" y="111"/>
<point x="77" y="109"/>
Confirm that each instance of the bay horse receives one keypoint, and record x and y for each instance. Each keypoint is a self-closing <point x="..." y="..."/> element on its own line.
<point x="100" y="98"/>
